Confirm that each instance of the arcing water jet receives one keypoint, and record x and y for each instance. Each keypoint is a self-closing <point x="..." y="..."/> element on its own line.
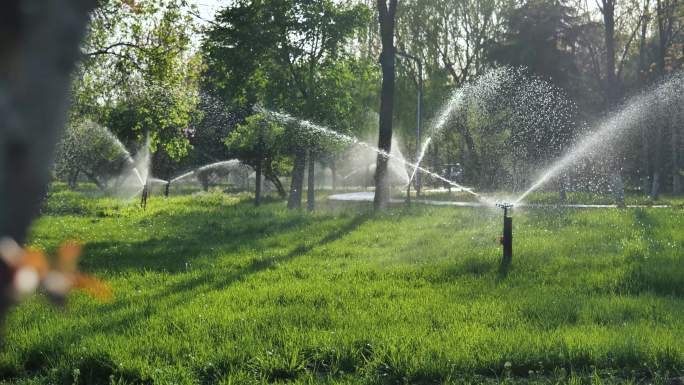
<point x="288" y="119"/>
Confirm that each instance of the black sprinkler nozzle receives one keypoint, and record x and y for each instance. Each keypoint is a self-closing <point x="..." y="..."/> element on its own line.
<point x="507" y="238"/>
<point x="505" y="206"/>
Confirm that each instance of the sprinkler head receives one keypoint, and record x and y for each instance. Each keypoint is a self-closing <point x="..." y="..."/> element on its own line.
<point x="507" y="238"/>
<point x="505" y="206"/>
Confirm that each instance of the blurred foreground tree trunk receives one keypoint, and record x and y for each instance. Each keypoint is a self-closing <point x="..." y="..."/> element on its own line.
<point x="39" y="47"/>
<point x="386" y="17"/>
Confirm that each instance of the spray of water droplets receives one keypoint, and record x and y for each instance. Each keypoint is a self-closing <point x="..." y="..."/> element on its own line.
<point x="626" y="120"/>
<point x="345" y="139"/>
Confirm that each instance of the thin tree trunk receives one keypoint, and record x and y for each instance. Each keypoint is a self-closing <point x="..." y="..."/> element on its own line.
<point x="203" y="178"/>
<point x="645" y="165"/>
<point x="310" y="184"/>
<point x="658" y="161"/>
<point x="386" y="13"/>
<point x="676" y="148"/>
<point x="94" y="179"/>
<point x="297" y="184"/>
<point x="333" y="171"/>
<point x="73" y="180"/>
<point x="473" y="157"/>
<point x="273" y="178"/>
<point x="257" y="183"/>
<point x="645" y="159"/>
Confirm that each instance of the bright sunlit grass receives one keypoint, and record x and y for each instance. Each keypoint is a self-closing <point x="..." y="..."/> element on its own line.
<point x="210" y="289"/>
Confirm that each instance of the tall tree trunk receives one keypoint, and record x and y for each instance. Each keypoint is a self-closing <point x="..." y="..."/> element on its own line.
<point x="39" y="47"/>
<point x="297" y="184"/>
<point x="645" y="164"/>
<point x="664" y="21"/>
<point x="658" y="161"/>
<point x="676" y="149"/>
<point x="310" y="184"/>
<point x="611" y="85"/>
<point x="645" y="168"/>
<point x="612" y="92"/>
<point x="386" y="14"/>
<point x="257" y="183"/>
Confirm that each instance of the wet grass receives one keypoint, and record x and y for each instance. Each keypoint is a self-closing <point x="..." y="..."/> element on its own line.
<point x="210" y="290"/>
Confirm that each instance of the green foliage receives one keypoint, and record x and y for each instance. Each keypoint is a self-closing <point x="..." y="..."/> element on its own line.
<point x="140" y="75"/>
<point x="540" y="35"/>
<point x="89" y="149"/>
<point x="210" y="289"/>
<point x="291" y="55"/>
<point x="258" y="140"/>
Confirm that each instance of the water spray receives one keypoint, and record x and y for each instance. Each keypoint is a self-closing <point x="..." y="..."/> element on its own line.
<point x="507" y="238"/>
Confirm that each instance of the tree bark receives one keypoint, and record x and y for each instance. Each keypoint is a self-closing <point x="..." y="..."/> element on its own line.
<point x="645" y="159"/>
<point x="297" y="183"/>
<point x="333" y="171"/>
<point x="676" y="149"/>
<point x="257" y="183"/>
<point x="386" y="16"/>
<point x="645" y="164"/>
<point x="93" y="178"/>
<point x="73" y="180"/>
<point x="39" y="47"/>
<point x="658" y="161"/>
<point x="310" y="184"/>
<point x="611" y="91"/>
<point x="273" y="178"/>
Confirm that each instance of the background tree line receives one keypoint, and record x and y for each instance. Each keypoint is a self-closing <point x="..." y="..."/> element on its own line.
<point x="153" y="69"/>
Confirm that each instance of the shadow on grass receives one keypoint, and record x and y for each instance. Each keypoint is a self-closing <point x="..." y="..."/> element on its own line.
<point x="128" y="313"/>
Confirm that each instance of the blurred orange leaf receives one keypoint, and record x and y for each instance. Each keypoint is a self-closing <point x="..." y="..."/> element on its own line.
<point x="35" y="259"/>
<point x="68" y="256"/>
<point x="94" y="287"/>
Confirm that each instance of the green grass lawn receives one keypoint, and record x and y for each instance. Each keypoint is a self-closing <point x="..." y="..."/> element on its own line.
<point x="210" y="289"/>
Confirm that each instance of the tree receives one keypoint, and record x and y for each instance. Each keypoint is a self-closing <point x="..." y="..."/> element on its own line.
<point x="259" y="143"/>
<point x="140" y="76"/>
<point x="386" y="16"/>
<point x="276" y="53"/>
<point x="89" y="149"/>
<point x="540" y="35"/>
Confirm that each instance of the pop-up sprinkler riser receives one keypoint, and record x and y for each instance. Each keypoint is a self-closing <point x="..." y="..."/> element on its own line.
<point x="507" y="238"/>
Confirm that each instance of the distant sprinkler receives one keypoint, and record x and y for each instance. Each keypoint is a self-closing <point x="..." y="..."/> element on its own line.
<point x="166" y="189"/>
<point x="507" y="238"/>
<point x="143" y="196"/>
